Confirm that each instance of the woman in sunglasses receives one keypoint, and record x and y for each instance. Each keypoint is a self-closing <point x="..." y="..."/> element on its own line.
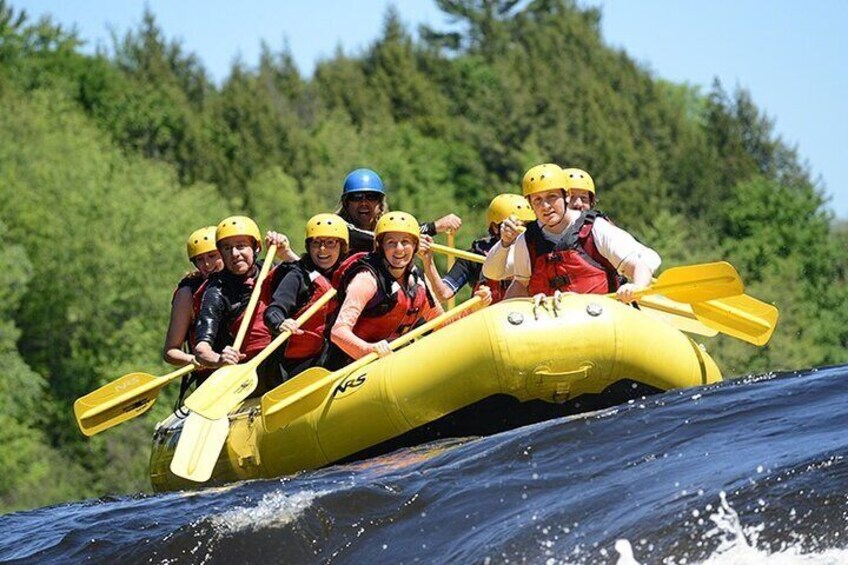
<point x="363" y="202"/>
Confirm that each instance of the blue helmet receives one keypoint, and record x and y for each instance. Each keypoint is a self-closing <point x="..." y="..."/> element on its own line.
<point x="362" y="180"/>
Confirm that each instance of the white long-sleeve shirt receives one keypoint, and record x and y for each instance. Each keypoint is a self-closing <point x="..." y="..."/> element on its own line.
<point x="613" y="243"/>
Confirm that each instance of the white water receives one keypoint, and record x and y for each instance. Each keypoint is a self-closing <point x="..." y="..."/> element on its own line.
<point x="275" y="510"/>
<point x="738" y="546"/>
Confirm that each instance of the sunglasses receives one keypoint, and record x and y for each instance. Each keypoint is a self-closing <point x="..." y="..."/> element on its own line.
<point x="360" y="196"/>
<point x="331" y="243"/>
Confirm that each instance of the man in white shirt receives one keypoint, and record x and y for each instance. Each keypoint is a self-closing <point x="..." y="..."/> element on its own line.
<point x="569" y="248"/>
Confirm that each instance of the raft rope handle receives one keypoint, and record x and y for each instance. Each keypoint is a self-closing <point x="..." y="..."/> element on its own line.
<point x="555" y="302"/>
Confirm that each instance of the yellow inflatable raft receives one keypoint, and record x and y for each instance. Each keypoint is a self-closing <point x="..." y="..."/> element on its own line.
<point x="498" y="368"/>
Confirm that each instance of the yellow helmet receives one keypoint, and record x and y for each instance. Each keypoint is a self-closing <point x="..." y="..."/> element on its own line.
<point x="238" y="225"/>
<point x="201" y="241"/>
<point x="398" y="222"/>
<point x="579" y="179"/>
<point x="504" y="205"/>
<point x="327" y="225"/>
<point x="542" y="178"/>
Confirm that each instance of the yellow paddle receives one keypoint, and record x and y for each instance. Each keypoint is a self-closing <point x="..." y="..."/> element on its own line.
<point x="690" y="283"/>
<point x="449" y="250"/>
<point x="737" y="315"/>
<point x="450" y="261"/>
<point x="124" y="398"/>
<point x="308" y="390"/>
<point x="202" y="438"/>
<point x="452" y="251"/>
<point x="231" y="384"/>
<point x="743" y="317"/>
<point x="696" y="283"/>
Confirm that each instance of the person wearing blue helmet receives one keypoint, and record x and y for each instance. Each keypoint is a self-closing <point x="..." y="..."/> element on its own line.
<point x="363" y="202"/>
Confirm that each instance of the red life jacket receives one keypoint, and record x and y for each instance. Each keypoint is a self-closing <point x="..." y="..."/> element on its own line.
<point x="311" y="341"/>
<point x="258" y="336"/>
<point x="394" y="309"/>
<point x="574" y="264"/>
<point x="481" y="247"/>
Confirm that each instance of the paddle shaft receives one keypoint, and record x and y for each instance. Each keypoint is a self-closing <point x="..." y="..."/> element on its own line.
<point x="450" y="262"/>
<point x="451" y="251"/>
<point x="413" y="335"/>
<point x="254" y="297"/>
<point x="278" y="341"/>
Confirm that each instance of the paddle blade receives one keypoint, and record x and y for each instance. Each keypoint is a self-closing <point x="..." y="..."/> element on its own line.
<point x="223" y="391"/>
<point x="742" y="317"/>
<point x="296" y="397"/>
<point x="122" y="399"/>
<point x="199" y="446"/>
<point x="699" y="283"/>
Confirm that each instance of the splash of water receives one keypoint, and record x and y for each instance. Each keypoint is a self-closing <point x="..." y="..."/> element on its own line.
<point x="275" y="510"/>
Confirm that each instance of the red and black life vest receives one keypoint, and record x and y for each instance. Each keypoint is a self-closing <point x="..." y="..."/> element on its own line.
<point x="395" y="308"/>
<point x="258" y="336"/>
<point x="481" y="247"/>
<point x="573" y="264"/>
<point x="315" y="329"/>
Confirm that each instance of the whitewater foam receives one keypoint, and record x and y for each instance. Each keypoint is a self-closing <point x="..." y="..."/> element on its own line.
<point x="275" y="510"/>
<point x="738" y="546"/>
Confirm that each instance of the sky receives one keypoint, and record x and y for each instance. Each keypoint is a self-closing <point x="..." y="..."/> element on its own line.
<point x="791" y="55"/>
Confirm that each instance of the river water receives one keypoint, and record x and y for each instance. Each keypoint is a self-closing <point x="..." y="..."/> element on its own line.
<point x="752" y="470"/>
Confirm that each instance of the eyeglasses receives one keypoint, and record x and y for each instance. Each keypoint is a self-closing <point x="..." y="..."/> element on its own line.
<point x="360" y="196"/>
<point x="330" y="243"/>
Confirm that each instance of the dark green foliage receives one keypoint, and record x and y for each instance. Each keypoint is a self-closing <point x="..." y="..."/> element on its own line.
<point x="116" y="157"/>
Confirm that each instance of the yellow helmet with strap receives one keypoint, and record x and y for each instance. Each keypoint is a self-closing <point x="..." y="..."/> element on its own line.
<point x="578" y="179"/>
<point x="542" y="178"/>
<point x="398" y="222"/>
<point x="238" y="225"/>
<point x="201" y="241"/>
<point x="327" y="225"/>
<point x="503" y="206"/>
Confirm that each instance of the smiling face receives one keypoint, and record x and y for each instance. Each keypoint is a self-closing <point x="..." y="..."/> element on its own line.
<point x="581" y="200"/>
<point x="238" y="254"/>
<point x="208" y="263"/>
<point x="325" y="251"/>
<point x="549" y="207"/>
<point x="364" y="208"/>
<point x="398" y="248"/>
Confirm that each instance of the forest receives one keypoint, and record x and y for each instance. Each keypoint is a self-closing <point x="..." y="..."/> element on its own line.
<point x="110" y="160"/>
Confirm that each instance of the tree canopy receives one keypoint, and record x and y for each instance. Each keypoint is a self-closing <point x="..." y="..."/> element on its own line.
<point x="111" y="159"/>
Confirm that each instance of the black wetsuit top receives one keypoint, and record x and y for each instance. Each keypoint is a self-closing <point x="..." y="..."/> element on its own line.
<point x="226" y="296"/>
<point x="291" y="293"/>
